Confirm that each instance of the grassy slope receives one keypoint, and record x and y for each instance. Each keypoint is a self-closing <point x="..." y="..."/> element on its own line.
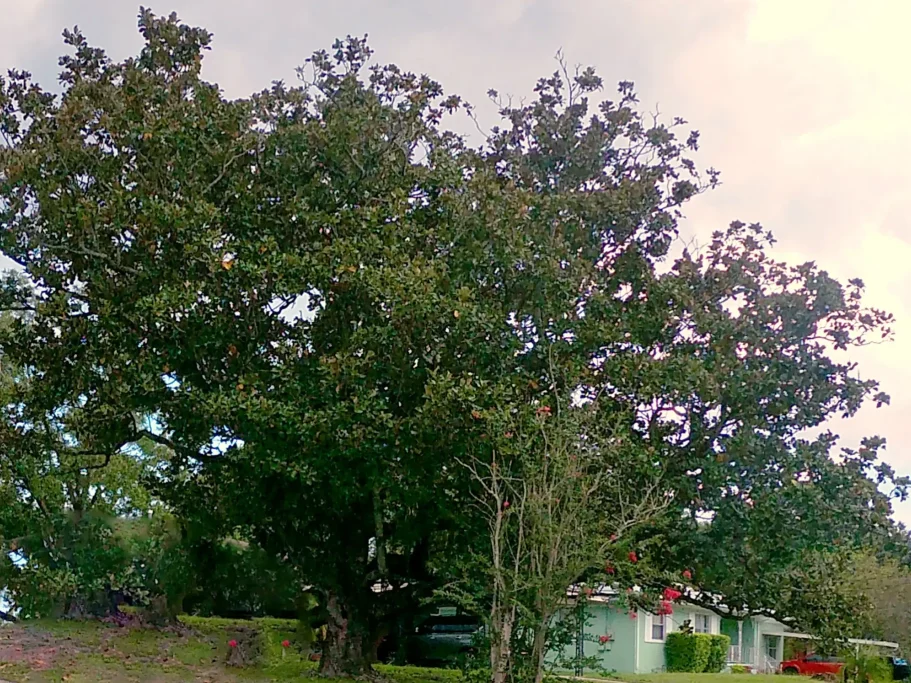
<point x="90" y="652"/>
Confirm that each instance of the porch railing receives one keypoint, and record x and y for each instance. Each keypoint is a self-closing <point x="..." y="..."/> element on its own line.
<point x="738" y="654"/>
<point x="769" y="665"/>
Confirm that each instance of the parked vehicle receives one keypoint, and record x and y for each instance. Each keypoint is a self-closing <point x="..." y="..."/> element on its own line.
<point x="812" y="665"/>
<point x="900" y="669"/>
<point x="443" y="640"/>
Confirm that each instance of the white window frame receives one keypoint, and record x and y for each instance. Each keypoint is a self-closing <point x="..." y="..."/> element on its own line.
<point x="649" y="627"/>
<point x="709" y="622"/>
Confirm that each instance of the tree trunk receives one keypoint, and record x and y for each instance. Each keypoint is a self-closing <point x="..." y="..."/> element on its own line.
<point x="348" y="649"/>
<point x="539" y="649"/>
<point x="97" y="604"/>
<point x="500" y="644"/>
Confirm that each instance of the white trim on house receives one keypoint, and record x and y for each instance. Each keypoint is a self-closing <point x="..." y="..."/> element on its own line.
<point x="854" y="641"/>
<point x="638" y="638"/>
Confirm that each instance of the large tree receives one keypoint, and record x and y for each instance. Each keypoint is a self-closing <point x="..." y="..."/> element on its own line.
<point x="176" y="228"/>
<point x="717" y="364"/>
<point x="328" y="302"/>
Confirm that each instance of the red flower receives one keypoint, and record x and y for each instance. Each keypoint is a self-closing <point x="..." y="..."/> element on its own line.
<point x="665" y="607"/>
<point x="505" y="504"/>
<point x="687" y="574"/>
<point x="543" y="411"/>
<point x="286" y="643"/>
<point x="671" y="594"/>
<point x="609" y="568"/>
<point x="633" y="615"/>
<point x="232" y="643"/>
<point x="604" y="639"/>
<point x="614" y="537"/>
<point x="633" y="557"/>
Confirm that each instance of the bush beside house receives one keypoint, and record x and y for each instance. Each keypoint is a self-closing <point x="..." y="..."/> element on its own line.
<point x="718" y="653"/>
<point x="695" y="652"/>
<point x="686" y="652"/>
<point x="867" y="666"/>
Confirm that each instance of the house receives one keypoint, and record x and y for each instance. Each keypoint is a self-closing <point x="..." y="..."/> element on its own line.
<point x="636" y="644"/>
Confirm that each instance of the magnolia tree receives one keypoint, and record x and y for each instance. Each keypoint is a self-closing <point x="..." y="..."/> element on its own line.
<point x="334" y="308"/>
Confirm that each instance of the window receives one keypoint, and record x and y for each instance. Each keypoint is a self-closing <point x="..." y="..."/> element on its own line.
<point x="659" y="626"/>
<point x="703" y="623"/>
<point x="771" y="647"/>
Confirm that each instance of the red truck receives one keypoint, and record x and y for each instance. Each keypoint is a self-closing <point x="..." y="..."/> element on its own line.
<point x="812" y="665"/>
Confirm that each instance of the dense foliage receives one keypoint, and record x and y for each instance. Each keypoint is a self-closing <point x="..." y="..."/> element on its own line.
<point x="719" y="645"/>
<point x="866" y="664"/>
<point x="696" y="652"/>
<point x="354" y="338"/>
<point x="687" y="652"/>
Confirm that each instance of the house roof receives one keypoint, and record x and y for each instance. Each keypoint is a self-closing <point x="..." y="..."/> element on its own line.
<point x="600" y="593"/>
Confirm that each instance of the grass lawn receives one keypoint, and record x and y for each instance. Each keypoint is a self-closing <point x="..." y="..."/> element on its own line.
<point x="702" y="678"/>
<point x="196" y="650"/>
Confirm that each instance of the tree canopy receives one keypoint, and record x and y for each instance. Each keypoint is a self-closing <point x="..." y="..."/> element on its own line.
<point x="322" y="302"/>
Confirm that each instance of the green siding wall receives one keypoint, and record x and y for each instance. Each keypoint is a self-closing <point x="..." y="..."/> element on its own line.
<point x="620" y="654"/>
<point x="629" y="652"/>
<point x="729" y="628"/>
<point x="749" y="633"/>
<point x="651" y="657"/>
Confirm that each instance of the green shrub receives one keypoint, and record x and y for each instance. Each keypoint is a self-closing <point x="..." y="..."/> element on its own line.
<point x="718" y="653"/>
<point x="867" y="666"/>
<point x="740" y="669"/>
<point x="687" y="652"/>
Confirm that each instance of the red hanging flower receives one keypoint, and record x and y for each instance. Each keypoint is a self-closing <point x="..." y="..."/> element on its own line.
<point x="665" y="607"/>
<point x="609" y="568"/>
<point x="543" y="411"/>
<point x="671" y="594"/>
<point x="633" y="557"/>
<point x="633" y="615"/>
<point x="232" y="643"/>
<point x="687" y="574"/>
<point x="604" y="639"/>
<point x="505" y="504"/>
<point x="286" y="643"/>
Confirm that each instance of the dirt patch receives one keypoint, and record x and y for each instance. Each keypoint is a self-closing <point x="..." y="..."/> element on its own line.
<point x="106" y="653"/>
<point x="39" y="650"/>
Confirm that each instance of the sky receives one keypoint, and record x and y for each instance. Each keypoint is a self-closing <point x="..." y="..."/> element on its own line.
<point x="802" y="106"/>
